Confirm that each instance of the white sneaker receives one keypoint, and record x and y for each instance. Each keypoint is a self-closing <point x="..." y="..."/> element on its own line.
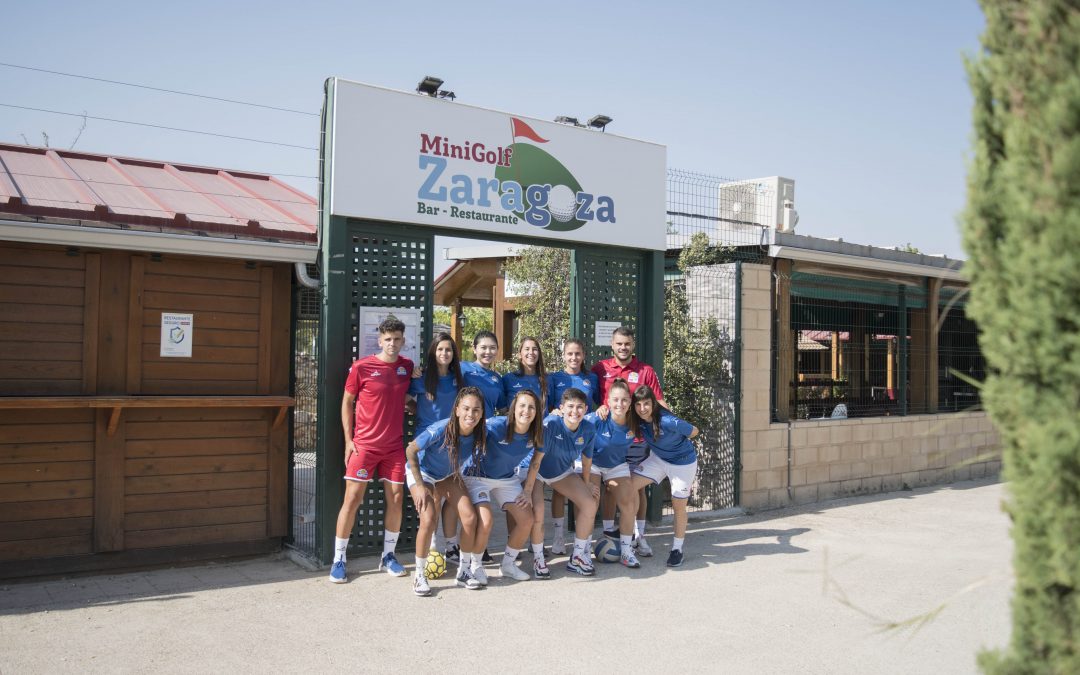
<point x="510" y="570"/>
<point x="466" y="580"/>
<point x="628" y="559"/>
<point x="642" y="547"/>
<point x="480" y="575"/>
<point x="420" y="585"/>
<point x="558" y="544"/>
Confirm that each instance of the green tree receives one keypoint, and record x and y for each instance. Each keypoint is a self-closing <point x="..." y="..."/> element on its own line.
<point x="541" y="278"/>
<point x="698" y="360"/>
<point x="1022" y="232"/>
<point x="476" y="320"/>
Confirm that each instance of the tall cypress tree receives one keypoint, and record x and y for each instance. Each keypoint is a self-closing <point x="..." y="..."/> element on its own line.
<point x="1022" y="233"/>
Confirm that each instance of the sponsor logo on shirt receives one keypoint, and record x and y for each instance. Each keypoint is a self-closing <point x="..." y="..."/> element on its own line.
<point x="558" y="437"/>
<point x="517" y="385"/>
<point x="504" y="442"/>
<point x="632" y="378"/>
<point x="401" y="370"/>
<point x="375" y="373"/>
<point x="605" y="434"/>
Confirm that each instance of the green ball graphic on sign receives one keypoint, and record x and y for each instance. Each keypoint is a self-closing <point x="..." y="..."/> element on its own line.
<point x="534" y="166"/>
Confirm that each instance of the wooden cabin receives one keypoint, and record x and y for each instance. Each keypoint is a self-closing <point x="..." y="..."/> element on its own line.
<point x="116" y="449"/>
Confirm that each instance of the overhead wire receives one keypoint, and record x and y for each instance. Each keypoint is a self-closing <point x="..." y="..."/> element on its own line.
<point x="161" y="89"/>
<point x="159" y="126"/>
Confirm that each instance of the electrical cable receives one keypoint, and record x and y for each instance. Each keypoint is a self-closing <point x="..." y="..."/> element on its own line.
<point x="161" y="89"/>
<point x="159" y="126"/>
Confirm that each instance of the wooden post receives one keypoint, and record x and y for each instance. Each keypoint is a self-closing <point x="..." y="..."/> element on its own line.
<point x="835" y="354"/>
<point x="456" y="321"/>
<point x="109" y="451"/>
<point x="785" y="341"/>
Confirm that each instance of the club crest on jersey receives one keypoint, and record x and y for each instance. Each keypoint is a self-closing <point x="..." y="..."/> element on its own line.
<point x="579" y="440"/>
<point x="632" y="378"/>
<point x="401" y="370"/>
<point x="629" y="435"/>
<point x="362" y="474"/>
<point x="482" y="495"/>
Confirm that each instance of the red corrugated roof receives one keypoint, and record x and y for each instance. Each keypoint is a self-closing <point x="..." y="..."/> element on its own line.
<point x="64" y="185"/>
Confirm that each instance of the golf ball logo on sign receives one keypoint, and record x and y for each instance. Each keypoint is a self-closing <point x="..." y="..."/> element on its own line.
<point x="528" y="183"/>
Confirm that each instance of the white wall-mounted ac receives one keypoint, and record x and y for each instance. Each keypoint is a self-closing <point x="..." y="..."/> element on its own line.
<point x="764" y="202"/>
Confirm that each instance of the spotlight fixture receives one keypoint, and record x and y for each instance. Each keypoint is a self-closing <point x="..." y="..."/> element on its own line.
<point x="600" y="122"/>
<point x="443" y="93"/>
<point x="429" y="85"/>
<point x="573" y="121"/>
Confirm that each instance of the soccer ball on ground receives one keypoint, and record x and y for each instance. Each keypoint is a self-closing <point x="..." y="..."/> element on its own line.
<point x="435" y="566"/>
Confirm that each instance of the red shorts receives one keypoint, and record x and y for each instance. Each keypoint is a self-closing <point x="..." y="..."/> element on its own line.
<point x="365" y="464"/>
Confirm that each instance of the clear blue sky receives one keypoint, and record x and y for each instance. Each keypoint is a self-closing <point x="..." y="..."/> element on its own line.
<point x="864" y="104"/>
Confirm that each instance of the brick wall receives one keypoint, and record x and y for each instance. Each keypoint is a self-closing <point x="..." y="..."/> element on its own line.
<point x="815" y="460"/>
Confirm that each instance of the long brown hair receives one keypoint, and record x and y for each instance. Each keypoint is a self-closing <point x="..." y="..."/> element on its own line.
<point x="640" y="394"/>
<point x="452" y="438"/>
<point x="540" y="371"/>
<point x="536" y="428"/>
<point x="619" y="383"/>
<point x="431" y="366"/>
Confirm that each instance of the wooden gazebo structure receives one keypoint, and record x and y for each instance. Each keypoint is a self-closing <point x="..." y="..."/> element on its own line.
<point x="476" y="280"/>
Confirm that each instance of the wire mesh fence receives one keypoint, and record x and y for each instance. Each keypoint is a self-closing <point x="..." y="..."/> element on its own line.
<point x="735" y="214"/>
<point x="304" y="421"/>
<point x="700" y="374"/>
<point x="863" y="347"/>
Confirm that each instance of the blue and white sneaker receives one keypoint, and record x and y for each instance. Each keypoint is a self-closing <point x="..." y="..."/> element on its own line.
<point x="337" y="573"/>
<point x="579" y="565"/>
<point x="390" y="563"/>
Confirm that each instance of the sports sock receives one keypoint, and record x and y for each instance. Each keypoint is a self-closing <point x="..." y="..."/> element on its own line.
<point x="626" y="543"/>
<point x="389" y="541"/>
<point x="538" y="550"/>
<point x="558" y="524"/>
<point x="511" y="554"/>
<point x="477" y="562"/>
<point x="639" y="528"/>
<point x="463" y="561"/>
<point x="581" y="546"/>
<point x="451" y="541"/>
<point x="341" y="544"/>
<point x="434" y="543"/>
<point x="609" y="525"/>
<point x="677" y="542"/>
<point x="420" y="562"/>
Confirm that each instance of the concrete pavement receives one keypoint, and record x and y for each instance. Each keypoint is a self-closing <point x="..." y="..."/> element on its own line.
<point x="810" y="590"/>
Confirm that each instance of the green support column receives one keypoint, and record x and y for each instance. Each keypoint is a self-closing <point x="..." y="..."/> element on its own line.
<point x="650" y="343"/>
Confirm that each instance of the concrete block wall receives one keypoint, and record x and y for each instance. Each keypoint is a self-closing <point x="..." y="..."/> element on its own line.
<point x="816" y="460"/>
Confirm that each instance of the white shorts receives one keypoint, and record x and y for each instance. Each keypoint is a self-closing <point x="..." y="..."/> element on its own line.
<point x="409" y="482"/>
<point x="556" y="479"/>
<point x="680" y="475"/>
<point x="606" y="473"/>
<point x="499" y="491"/>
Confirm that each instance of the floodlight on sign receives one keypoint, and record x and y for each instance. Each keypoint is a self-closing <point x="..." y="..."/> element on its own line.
<point x="563" y="119"/>
<point x="600" y="122"/>
<point x="429" y="85"/>
<point x="443" y="93"/>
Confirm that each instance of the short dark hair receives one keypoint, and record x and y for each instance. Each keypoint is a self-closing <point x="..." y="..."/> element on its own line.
<point x="480" y="335"/>
<point x="391" y="324"/>
<point x="573" y="394"/>
<point x="624" y="331"/>
<point x="573" y="341"/>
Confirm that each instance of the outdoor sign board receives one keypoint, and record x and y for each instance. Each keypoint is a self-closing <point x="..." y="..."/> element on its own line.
<point x="408" y="158"/>
<point x="371" y="317"/>
<point x="177" y="334"/>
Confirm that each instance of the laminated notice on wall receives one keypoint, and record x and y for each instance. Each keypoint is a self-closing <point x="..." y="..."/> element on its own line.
<point x="604" y="329"/>
<point x="371" y="317"/>
<point x="177" y="334"/>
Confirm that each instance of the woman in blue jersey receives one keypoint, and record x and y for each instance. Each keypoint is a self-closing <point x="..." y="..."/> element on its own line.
<point x="613" y="437"/>
<point x="490" y="477"/>
<point x="437" y="386"/>
<point x="671" y="456"/>
<point x="529" y="374"/>
<point x="571" y="375"/>
<point x="434" y="461"/>
<point x="567" y="438"/>
<point x="479" y="374"/>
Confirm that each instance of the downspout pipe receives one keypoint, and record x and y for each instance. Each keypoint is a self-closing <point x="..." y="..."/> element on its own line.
<point x="304" y="278"/>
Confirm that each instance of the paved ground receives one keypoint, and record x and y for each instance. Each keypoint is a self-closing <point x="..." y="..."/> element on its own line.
<point x="805" y="591"/>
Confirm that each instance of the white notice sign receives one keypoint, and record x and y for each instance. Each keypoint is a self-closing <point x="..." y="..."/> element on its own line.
<point x="604" y="329"/>
<point x="371" y="317"/>
<point x="177" y="334"/>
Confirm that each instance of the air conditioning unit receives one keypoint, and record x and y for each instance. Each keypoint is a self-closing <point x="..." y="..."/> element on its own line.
<point x="763" y="202"/>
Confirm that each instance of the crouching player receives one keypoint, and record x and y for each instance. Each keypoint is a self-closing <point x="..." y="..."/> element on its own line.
<point x="490" y="477"/>
<point x="671" y="456"/>
<point x="613" y="438"/>
<point x="435" y="457"/>
<point x="567" y="437"/>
